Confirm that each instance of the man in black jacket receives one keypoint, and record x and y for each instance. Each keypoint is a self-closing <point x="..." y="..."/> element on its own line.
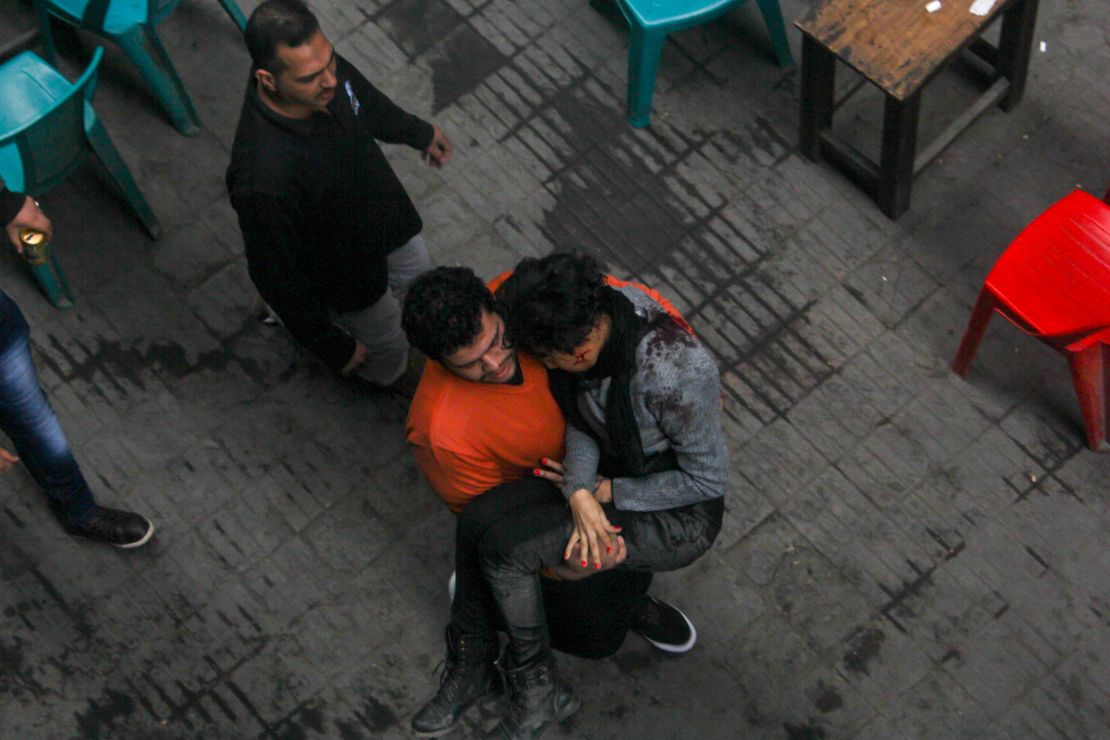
<point x="331" y="236"/>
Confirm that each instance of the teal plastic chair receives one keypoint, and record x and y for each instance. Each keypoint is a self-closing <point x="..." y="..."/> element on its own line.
<point x="47" y="129"/>
<point x="131" y="25"/>
<point x="649" y="22"/>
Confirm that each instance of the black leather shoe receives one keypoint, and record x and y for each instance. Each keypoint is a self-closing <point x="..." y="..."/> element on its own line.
<point x="663" y="625"/>
<point x="124" y="529"/>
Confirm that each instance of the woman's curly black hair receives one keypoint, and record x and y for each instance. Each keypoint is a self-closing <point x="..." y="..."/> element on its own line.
<point x="551" y="304"/>
<point x="443" y="310"/>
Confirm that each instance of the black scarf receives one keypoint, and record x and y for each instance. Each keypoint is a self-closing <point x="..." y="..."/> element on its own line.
<point x="622" y="452"/>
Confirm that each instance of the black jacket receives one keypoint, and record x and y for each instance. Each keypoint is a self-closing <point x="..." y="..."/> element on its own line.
<point x="10" y="204"/>
<point x="320" y="207"/>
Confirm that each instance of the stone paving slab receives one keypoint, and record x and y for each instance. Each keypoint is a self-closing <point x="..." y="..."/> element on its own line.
<point x="905" y="554"/>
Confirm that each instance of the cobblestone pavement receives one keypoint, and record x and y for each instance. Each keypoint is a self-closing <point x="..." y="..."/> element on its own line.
<point x="905" y="555"/>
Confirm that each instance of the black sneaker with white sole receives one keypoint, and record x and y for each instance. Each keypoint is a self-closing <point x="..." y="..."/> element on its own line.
<point x="663" y="625"/>
<point x="124" y="529"/>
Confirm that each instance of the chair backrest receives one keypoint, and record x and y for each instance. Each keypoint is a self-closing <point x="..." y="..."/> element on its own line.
<point x="92" y="15"/>
<point x="1055" y="275"/>
<point x="674" y="15"/>
<point x="53" y="144"/>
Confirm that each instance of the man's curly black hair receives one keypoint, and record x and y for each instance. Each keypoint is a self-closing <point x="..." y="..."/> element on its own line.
<point x="443" y="310"/>
<point x="551" y="304"/>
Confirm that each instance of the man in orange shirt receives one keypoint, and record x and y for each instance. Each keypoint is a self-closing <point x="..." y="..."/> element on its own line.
<point x="488" y="436"/>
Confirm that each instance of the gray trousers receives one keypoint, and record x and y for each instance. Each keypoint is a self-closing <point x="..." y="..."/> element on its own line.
<point x="378" y="327"/>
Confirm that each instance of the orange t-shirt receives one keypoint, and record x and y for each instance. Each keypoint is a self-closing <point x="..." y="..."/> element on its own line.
<point x="613" y="282"/>
<point x="469" y="437"/>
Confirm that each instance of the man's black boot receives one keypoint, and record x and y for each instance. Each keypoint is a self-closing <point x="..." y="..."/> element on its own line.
<point x="536" y="696"/>
<point x="468" y="675"/>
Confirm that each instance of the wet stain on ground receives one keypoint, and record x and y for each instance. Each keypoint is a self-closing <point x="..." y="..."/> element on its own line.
<point x="803" y="732"/>
<point x="743" y="145"/>
<point x="866" y="644"/>
<point x="377" y="716"/>
<point x="290" y="730"/>
<point x="592" y="211"/>
<point x="16" y="677"/>
<point x="460" y="57"/>
<point x="348" y="731"/>
<point x="461" y="64"/>
<point x="415" y="25"/>
<point x="80" y="621"/>
<point x="828" y="700"/>
<point x="11" y="658"/>
<point x="102" y="715"/>
<point x="114" y="362"/>
<point x="312" y="717"/>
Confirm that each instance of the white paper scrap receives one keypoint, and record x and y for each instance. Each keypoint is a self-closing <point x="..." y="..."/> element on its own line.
<point x="933" y="6"/>
<point x="1044" y="47"/>
<point x="982" y="7"/>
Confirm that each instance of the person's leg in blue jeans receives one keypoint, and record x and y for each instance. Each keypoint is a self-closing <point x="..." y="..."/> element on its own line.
<point x="27" y="418"/>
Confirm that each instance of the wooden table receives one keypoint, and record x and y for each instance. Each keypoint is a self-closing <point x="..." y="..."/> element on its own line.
<point x="899" y="46"/>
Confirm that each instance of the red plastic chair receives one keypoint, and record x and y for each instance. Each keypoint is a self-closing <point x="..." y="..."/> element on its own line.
<point x="1053" y="282"/>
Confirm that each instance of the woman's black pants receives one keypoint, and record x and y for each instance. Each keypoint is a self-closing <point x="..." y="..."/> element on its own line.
<point x="503" y="562"/>
<point x="588" y="618"/>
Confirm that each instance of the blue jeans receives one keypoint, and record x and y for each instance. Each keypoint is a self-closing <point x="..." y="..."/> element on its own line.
<point x="26" y="417"/>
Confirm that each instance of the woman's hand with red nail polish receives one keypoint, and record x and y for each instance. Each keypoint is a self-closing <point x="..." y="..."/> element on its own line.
<point x="571" y="570"/>
<point x="550" y="470"/>
<point x="592" y="530"/>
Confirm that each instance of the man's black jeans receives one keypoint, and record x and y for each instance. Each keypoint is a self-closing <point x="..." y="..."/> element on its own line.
<point x="512" y="552"/>
<point x="588" y="618"/>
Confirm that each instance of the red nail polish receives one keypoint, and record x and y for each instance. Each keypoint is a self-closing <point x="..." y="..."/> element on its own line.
<point x="535" y="471"/>
<point x="597" y="566"/>
<point x="543" y="460"/>
<point x="583" y="563"/>
<point x="608" y="549"/>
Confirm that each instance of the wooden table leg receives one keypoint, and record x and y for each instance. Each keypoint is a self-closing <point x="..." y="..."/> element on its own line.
<point x="896" y="162"/>
<point x="818" y="79"/>
<point x="1014" y="46"/>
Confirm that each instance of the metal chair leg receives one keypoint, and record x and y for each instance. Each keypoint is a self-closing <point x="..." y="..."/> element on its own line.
<point x="53" y="282"/>
<point x="776" y="27"/>
<point x="145" y="50"/>
<point x="644" y="50"/>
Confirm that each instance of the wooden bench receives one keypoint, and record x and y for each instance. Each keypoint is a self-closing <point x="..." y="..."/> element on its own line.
<point x="899" y="46"/>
